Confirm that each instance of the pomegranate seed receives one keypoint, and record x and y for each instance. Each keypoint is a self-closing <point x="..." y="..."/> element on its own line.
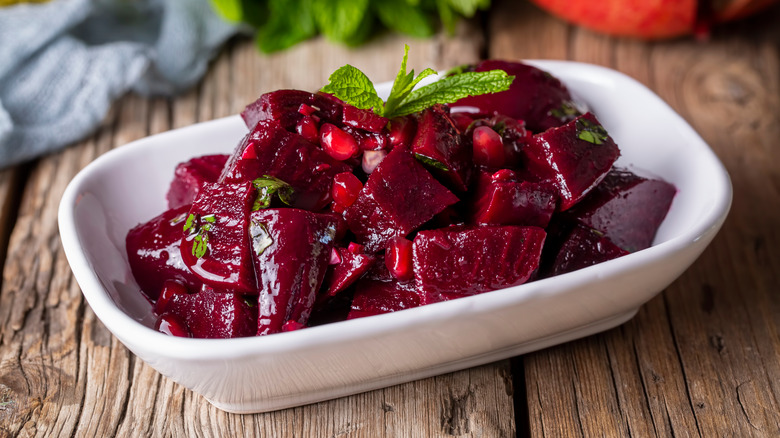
<point x="488" y="147"/>
<point x="398" y="258"/>
<point x="402" y="130"/>
<point x="292" y="325"/>
<point x="306" y="110"/>
<point x="172" y="325"/>
<point x="356" y="248"/>
<point x="322" y="167"/>
<point x="169" y="289"/>
<point x="337" y="143"/>
<point x="346" y="187"/>
<point x="504" y="175"/>
<point x="249" y="152"/>
<point x="307" y="127"/>
<point x="335" y="257"/>
<point x="371" y="160"/>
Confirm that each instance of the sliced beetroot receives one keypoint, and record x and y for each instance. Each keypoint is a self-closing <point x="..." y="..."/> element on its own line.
<point x="399" y="196"/>
<point x="350" y="267"/>
<point x="535" y="96"/>
<point x="270" y="150"/>
<point x="153" y="252"/>
<point x="500" y="201"/>
<point x="210" y="313"/>
<point x="283" y="107"/>
<point x="373" y="297"/>
<point x="626" y="208"/>
<point x="190" y="176"/>
<point x="215" y="242"/>
<point x="440" y="146"/>
<point x="457" y="263"/>
<point x="577" y="156"/>
<point x="291" y="250"/>
<point x="584" y="247"/>
<point x="363" y="119"/>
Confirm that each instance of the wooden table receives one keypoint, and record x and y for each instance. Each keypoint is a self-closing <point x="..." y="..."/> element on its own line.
<point x="702" y="358"/>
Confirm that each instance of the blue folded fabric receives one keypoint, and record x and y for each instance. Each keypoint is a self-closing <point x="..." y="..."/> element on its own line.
<point x="64" y="62"/>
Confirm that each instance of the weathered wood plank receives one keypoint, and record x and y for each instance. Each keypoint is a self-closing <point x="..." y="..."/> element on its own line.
<point x="702" y="358"/>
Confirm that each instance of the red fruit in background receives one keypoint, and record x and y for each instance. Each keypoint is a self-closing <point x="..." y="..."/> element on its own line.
<point x="650" y="19"/>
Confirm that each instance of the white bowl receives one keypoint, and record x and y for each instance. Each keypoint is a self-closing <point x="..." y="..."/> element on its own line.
<point x="127" y="186"/>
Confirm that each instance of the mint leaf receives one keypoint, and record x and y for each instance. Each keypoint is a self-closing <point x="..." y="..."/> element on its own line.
<point x="284" y="30"/>
<point x="590" y="132"/>
<point x="261" y="237"/>
<point x="403" y="85"/>
<point x="430" y="162"/>
<point x="338" y="19"/>
<point x="199" y="226"/>
<point x="268" y="186"/>
<point x="453" y="88"/>
<point x="353" y="87"/>
<point x="404" y="17"/>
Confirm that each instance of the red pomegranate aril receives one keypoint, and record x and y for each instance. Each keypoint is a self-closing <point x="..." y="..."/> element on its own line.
<point x="504" y="175"/>
<point x="371" y="160"/>
<point x="346" y="187"/>
<point x="306" y="110"/>
<point x="291" y="325"/>
<point x="337" y="143"/>
<point x="356" y="248"/>
<point x="335" y="257"/>
<point x="402" y="130"/>
<point x="172" y="325"/>
<point x="307" y="127"/>
<point x="488" y="147"/>
<point x="398" y="259"/>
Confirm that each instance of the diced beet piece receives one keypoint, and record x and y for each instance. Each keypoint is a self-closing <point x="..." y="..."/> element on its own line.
<point x="270" y="150"/>
<point x="502" y="202"/>
<point x="214" y="313"/>
<point x="190" y="176"/>
<point x="439" y="144"/>
<point x="346" y="187"/>
<point x="457" y="263"/>
<point x="534" y="96"/>
<point x="342" y="275"/>
<point x="283" y="107"/>
<point x="374" y="297"/>
<point x="291" y="250"/>
<point x="626" y="208"/>
<point x="399" y="196"/>
<point x="215" y="243"/>
<point x="585" y="247"/>
<point x="402" y="130"/>
<point x="577" y="156"/>
<point x="153" y="252"/>
<point x="363" y="119"/>
<point x="172" y="325"/>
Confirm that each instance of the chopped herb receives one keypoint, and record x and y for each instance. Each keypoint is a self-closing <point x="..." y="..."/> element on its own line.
<point x="565" y="111"/>
<point x="268" y="186"/>
<point x="591" y="132"/>
<point x="199" y="226"/>
<point x="261" y="238"/>
<point x="430" y="162"/>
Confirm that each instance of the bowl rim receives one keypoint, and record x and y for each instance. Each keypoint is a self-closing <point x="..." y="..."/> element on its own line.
<point x="129" y="330"/>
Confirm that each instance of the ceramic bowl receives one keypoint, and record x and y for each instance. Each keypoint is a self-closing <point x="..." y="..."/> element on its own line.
<point x="127" y="186"/>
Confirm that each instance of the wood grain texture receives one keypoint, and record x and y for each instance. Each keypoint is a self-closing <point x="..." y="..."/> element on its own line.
<point x="702" y="358"/>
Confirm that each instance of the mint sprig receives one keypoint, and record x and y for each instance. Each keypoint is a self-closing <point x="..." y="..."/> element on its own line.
<point x="355" y="88"/>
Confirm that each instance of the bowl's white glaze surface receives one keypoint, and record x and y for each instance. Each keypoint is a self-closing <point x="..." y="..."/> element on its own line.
<point x="127" y="186"/>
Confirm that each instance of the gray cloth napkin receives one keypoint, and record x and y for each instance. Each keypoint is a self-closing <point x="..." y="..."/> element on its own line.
<point x="62" y="63"/>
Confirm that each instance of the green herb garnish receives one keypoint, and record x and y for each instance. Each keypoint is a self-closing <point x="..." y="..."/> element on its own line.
<point x="199" y="226"/>
<point x="261" y="238"/>
<point x="565" y="111"/>
<point x="353" y="87"/>
<point x="430" y="162"/>
<point x="591" y="132"/>
<point x="268" y="186"/>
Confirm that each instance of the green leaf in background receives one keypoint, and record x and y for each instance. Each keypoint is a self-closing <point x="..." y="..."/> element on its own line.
<point x="230" y="9"/>
<point x="283" y="29"/>
<point x="352" y="86"/>
<point x="468" y="8"/>
<point x="339" y="20"/>
<point x="403" y="17"/>
<point x="446" y="15"/>
<point x="453" y="88"/>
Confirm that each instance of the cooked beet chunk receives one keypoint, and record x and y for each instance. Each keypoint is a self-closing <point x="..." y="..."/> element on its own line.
<point x="363" y="119"/>
<point x="399" y="196"/>
<point x="626" y="208"/>
<point x="215" y="243"/>
<point x="284" y="107"/>
<point x="291" y="250"/>
<point x="270" y="150"/>
<point x="153" y="252"/>
<point x="584" y="247"/>
<point x="457" y="263"/>
<point x="513" y="202"/>
<point x="349" y="268"/>
<point x="191" y="175"/>
<point x="373" y="297"/>
<point x="535" y="96"/>
<point x="440" y="146"/>
<point x="577" y="156"/>
<point x="211" y="313"/>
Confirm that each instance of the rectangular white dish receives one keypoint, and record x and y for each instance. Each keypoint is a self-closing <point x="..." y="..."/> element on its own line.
<point x="127" y="186"/>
